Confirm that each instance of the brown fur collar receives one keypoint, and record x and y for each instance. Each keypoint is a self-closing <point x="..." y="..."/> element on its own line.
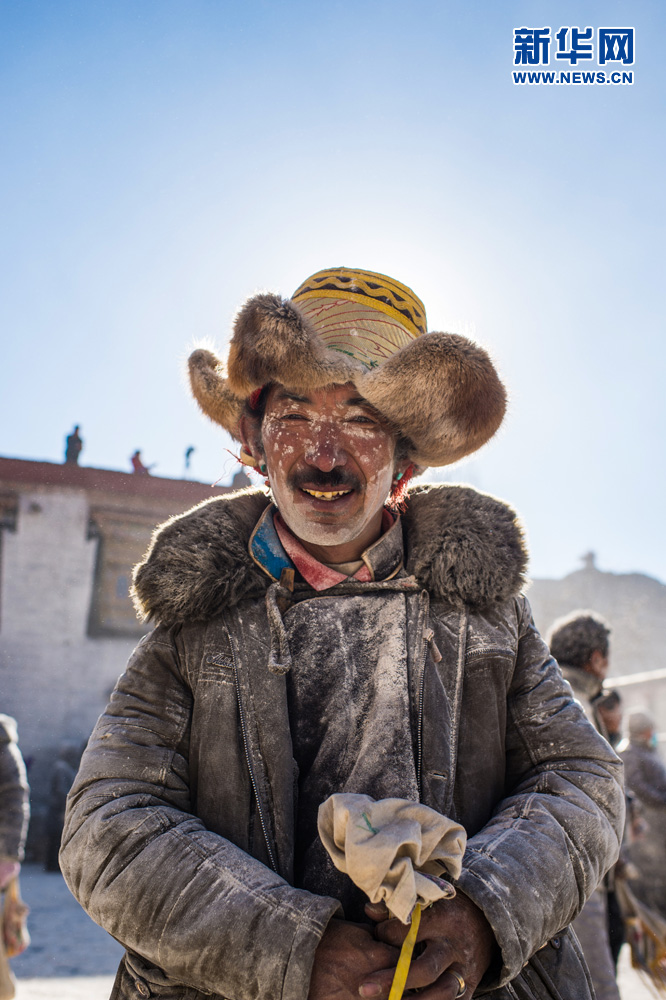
<point x="463" y="546"/>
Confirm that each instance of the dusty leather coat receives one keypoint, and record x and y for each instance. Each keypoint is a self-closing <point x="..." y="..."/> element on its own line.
<point x="180" y="828"/>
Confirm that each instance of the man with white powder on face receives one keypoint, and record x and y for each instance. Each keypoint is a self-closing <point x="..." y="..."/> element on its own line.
<point x="340" y="634"/>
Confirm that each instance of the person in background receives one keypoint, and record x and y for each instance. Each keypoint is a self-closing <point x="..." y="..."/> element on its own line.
<point x="14" y="802"/>
<point x="608" y="707"/>
<point x="138" y="467"/>
<point x="73" y="446"/>
<point x="580" y="644"/>
<point x="62" y="775"/>
<point x="14" y="817"/>
<point x="645" y="775"/>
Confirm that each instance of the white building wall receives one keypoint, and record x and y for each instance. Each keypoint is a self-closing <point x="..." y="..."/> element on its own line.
<point x="54" y="679"/>
<point x="47" y="567"/>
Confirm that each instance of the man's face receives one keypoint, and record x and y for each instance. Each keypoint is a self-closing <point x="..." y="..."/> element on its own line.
<point x="612" y="717"/>
<point x="598" y="664"/>
<point x="330" y="461"/>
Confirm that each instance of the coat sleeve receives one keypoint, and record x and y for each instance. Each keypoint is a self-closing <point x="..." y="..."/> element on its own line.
<point x="14" y="794"/>
<point x="144" y="866"/>
<point x="558" y="829"/>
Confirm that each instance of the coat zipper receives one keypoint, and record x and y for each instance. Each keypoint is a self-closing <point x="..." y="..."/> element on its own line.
<point x="429" y="639"/>
<point x="246" y="746"/>
<point x="419" y="726"/>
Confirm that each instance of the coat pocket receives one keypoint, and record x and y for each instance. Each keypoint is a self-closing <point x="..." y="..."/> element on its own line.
<point x="139" y="980"/>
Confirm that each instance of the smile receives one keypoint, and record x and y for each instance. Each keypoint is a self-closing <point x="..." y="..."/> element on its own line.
<point x="333" y="495"/>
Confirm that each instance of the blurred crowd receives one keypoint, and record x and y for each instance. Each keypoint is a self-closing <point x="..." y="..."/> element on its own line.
<point x="630" y="903"/>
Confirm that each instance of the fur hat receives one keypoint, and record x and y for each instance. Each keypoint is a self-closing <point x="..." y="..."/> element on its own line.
<point x="439" y="390"/>
<point x="575" y="637"/>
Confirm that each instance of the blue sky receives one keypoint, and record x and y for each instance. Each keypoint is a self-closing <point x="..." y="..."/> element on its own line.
<point x="164" y="160"/>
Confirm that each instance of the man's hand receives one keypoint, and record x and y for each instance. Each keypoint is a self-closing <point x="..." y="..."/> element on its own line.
<point x="459" y="946"/>
<point x="346" y="956"/>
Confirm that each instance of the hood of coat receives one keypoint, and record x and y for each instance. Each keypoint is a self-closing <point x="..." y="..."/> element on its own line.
<point x="464" y="547"/>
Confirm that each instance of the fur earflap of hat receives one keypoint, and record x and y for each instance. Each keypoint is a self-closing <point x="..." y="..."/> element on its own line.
<point x="439" y="390"/>
<point x="573" y="638"/>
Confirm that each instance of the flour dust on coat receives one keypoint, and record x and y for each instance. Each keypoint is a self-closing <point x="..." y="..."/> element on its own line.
<point x="181" y="830"/>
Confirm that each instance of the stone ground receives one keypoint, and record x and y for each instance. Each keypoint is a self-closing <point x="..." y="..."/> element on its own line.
<point x="71" y="958"/>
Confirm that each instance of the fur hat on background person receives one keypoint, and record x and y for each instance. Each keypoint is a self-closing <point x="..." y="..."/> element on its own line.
<point x="573" y="638"/>
<point x="439" y="390"/>
<point x="639" y="723"/>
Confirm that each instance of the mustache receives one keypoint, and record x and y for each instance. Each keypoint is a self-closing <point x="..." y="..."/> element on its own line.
<point x="337" y="478"/>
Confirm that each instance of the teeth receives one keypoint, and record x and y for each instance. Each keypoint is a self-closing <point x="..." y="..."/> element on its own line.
<point x="334" y="494"/>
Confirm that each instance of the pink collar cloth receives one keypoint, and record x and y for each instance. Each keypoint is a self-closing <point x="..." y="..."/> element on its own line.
<point x="317" y="574"/>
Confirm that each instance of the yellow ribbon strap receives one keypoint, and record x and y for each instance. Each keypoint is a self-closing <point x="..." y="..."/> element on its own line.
<point x="405" y="959"/>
